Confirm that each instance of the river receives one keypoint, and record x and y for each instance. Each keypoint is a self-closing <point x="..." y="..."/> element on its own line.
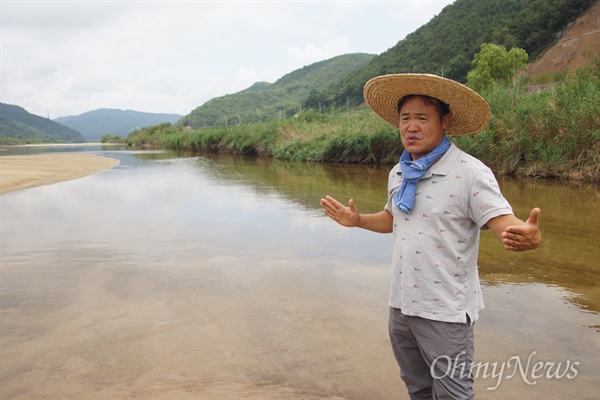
<point x="218" y="277"/>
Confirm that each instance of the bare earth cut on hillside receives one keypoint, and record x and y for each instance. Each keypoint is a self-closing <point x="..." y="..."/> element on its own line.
<point x="575" y="49"/>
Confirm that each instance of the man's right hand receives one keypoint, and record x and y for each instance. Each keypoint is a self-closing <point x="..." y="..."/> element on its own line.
<point x="345" y="216"/>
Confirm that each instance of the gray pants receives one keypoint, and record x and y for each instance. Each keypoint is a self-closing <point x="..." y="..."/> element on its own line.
<point x="435" y="358"/>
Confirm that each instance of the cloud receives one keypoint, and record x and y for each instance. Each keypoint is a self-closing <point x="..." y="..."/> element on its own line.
<point x="58" y="17"/>
<point x="310" y="53"/>
<point x="70" y="57"/>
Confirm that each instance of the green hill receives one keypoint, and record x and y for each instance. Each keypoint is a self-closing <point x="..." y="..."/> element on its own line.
<point x="444" y="46"/>
<point x="106" y="121"/>
<point x="284" y="98"/>
<point x="447" y="44"/>
<point x="17" y="126"/>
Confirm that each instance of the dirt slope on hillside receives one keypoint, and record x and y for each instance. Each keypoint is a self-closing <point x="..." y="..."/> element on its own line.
<point x="576" y="48"/>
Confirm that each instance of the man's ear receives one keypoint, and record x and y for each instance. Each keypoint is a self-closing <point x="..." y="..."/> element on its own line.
<point x="446" y="121"/>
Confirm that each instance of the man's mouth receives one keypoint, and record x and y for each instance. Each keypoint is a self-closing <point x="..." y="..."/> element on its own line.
<point x="411" y="139"/>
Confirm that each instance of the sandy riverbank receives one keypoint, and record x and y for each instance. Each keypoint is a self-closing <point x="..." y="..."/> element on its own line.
<point x="23" y="172"/>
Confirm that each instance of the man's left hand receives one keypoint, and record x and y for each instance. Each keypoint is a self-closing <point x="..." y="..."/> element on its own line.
<point x="523" y="237"/>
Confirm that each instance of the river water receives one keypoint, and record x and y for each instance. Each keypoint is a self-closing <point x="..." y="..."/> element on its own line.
<point x="214" y="277"/>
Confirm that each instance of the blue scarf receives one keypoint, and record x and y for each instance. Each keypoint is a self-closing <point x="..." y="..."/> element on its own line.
<point x="413" y="171"/>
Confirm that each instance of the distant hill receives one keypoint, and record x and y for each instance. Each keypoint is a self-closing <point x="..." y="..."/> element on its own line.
<point x="285" y="97"/>
<point x="106" y="121"/>
<point x="17" y="126"/>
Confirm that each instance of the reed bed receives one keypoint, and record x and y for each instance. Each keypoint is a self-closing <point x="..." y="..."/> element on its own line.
<point x="550" y="133"/>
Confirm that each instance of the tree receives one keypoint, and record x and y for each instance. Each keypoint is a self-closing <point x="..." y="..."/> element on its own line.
<point x="493" y="64"/>
<point x="315" y="100"/>
<point x="112" y="139"/>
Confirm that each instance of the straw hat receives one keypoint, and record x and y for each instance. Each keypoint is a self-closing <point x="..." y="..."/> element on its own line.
<point x="470" y="112"/>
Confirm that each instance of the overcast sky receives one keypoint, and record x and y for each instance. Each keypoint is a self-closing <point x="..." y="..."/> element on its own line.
<point x="61" y="58"/>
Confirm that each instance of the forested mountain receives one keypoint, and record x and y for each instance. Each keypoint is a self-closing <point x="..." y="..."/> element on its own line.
<point x="17" y="126"/>
<point x="285" y="97"/>
<point x="95" y="124"/>
<point x="447" y="44"/>
<point x="444" y="46"/>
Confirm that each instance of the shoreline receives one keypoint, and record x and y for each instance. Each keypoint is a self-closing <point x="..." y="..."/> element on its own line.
<point x="28" y="171"/>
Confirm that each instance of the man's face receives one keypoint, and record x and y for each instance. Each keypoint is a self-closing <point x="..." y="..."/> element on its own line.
<point x="420" y="127"/>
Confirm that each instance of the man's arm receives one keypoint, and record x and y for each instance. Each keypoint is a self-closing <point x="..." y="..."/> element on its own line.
<point x="515" y="234"/>
<point x="381" y="222"/>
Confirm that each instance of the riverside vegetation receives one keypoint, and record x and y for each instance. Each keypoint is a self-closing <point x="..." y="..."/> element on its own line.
<point x="549" y="133"/>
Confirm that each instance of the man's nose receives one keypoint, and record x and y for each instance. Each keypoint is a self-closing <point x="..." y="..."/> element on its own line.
<point x="412" y="125"/>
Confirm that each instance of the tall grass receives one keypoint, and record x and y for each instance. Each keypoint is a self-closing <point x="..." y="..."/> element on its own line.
<point x="553" y="133"/>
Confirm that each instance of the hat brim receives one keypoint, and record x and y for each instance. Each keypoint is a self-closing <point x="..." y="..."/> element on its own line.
<point x="470" y="111"/>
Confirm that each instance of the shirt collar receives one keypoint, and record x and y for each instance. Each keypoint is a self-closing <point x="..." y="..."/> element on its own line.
<point x="445" y="163"/>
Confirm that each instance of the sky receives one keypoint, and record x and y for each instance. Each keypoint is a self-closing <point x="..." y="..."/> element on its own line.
<point x="64" y="58"/>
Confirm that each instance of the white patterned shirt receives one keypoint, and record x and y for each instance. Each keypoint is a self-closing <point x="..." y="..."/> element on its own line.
<point x="435" y="272"/>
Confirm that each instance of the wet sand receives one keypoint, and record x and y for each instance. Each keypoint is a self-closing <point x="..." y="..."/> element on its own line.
<point x="24" y="172"/>
<point x="205" y="329"/>
<point x="182" y="332"/>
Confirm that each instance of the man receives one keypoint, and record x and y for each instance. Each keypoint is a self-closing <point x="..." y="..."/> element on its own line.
<point x="439" y="198"/>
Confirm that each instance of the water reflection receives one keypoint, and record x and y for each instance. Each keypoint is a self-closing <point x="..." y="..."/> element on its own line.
<point x="177" y="276"/>
<point x="569" y="256"/>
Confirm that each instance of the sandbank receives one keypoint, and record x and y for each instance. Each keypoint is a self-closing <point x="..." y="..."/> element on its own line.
<point x="24" y="172"/>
